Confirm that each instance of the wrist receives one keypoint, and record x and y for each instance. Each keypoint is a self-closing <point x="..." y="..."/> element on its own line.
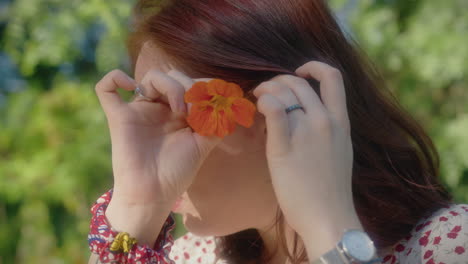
<point x="326" y="237"/>
<point x="143" y="221"/>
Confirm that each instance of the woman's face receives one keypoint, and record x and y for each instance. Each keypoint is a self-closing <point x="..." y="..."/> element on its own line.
<point x="232" y="190"/>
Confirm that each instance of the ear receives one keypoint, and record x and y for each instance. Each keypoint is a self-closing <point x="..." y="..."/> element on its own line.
<point x="256" y="133"/>
<point x="260" y="121"/>
<point x="260" y="129"/>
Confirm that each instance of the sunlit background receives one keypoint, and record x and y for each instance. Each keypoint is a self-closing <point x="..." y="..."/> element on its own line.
<point x="55" y="155"/>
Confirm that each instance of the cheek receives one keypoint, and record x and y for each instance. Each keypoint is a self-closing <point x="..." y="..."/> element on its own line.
<point x="229" y="201"/>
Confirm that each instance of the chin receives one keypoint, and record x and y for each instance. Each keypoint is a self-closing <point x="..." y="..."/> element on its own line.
<point x="204" y="228"/>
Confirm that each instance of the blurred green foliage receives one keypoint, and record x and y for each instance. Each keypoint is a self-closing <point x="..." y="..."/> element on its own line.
<point x="55" y="146"/>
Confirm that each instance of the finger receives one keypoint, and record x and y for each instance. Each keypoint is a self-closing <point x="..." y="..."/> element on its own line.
<point x="186" y="82"/>
<point x="286" y="96"/>
<point x="106" y="89"/>
<point x="158" y="85"/>
<point x="276" y="122"/>
<point x="331" y="88"/>
<point x="303" y="91"/>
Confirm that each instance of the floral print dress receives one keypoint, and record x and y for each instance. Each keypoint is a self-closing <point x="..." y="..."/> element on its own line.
<point x="441" y="238"/>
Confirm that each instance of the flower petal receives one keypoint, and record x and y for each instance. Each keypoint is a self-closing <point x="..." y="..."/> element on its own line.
<point x="207" y="121"/>
<point x="226" y="89"/>
<point x="197" y="93"/>
<point x="244" y="111"/>
<point x="199" y="116"/>
<point x="226" y="123"/>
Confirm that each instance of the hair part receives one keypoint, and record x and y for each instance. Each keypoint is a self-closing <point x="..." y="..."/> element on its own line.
<point x="395" y="179"/>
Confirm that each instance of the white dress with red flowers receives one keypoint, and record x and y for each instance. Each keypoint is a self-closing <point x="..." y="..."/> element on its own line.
<point x="441" y="238"/>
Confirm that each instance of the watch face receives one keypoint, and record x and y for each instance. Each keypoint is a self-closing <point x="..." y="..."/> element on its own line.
<point x="358" y="245"/>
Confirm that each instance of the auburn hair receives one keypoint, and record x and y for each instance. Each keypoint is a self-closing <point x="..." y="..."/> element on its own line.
<point x="395" y="179"/>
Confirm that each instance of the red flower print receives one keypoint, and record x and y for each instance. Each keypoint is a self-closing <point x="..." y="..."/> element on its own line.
<point x="427" y="223"/>
<point x="452" y="235"/>
<point x="456" y="229"/>
<point x="427" y="233"/>
<point x="399" y="248"/>
<point x="443" y="218"/>
<point x="437" y="240"/>
<point x="428" y="254"/>
<point x="409" y="251"/>
<point x="454" y="213"/>
<point x="423" y="241"/>
<point x="419" y="227"/>
<point x="431" y="261"/>
<point x="391" y="258"/>
<point x="459" y="250"/>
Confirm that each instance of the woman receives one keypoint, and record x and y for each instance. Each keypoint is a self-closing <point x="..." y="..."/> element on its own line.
<point x="284" y="189"/>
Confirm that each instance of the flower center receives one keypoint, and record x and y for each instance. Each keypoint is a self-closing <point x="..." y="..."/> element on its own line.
<point x="219" y="101"/>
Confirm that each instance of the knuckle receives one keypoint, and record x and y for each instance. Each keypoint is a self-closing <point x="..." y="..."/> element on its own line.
<point x="273" y="86"/>
<point x="110" y="75"/>
<point x="334" y="73"/>
<point x="261" y="88"/>
<point x="295" y="80"/>
<point x="116" y="72"/>
<point x="277" y="88"/>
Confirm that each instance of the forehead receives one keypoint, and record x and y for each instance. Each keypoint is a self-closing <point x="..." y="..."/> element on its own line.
<point x="150" y="57"/>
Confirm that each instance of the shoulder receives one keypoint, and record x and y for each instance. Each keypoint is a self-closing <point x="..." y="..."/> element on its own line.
<point x="191" y="248"/>
<point x="439" y="238"/>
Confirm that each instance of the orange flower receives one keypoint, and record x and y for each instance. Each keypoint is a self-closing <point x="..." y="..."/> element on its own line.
<point x="217" y="106"/>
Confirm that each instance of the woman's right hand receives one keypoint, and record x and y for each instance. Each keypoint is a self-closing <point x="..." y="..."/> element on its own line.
<point x="155" y="154"/>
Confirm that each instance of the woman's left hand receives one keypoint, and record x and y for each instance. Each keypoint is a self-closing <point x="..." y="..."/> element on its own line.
<point x="310" y="154"/>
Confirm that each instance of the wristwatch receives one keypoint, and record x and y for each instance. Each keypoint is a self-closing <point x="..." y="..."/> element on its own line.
<point x="355" y="247"/>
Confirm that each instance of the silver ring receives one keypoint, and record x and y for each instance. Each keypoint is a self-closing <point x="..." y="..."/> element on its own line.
<point x="139" y="93"/>
<point x="294" y="107"/>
